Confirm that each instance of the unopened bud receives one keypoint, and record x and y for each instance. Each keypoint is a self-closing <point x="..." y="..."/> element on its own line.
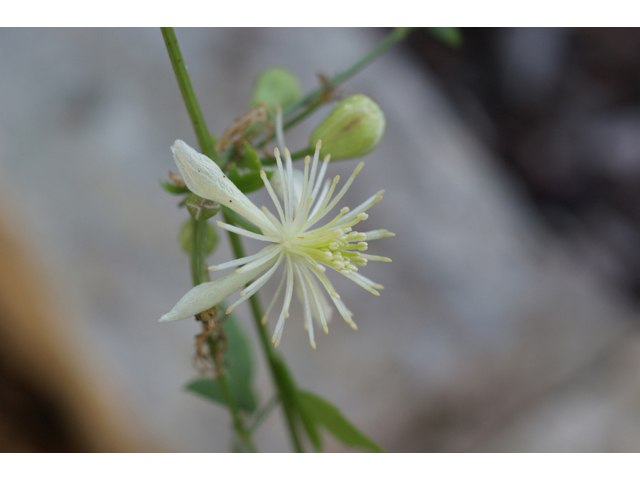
<point x="276" y="86"/>
<point x="353" y="128"/>
<point x="201" y="208"/>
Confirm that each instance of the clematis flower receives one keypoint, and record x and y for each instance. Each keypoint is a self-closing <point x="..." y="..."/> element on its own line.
<point x="296" y="239"/>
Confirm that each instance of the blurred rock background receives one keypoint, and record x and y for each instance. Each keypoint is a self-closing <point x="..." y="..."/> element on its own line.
<point x="509" y="318"/>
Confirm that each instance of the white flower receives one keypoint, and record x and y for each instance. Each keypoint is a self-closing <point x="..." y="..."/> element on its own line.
<point x="295" y="241"/>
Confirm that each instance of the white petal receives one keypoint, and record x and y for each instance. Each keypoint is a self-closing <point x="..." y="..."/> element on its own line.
<point x="320" y="309"/>
<point x="204" y="178"/>
<point x="298" y="179"/>
<point x="208" y="294"/>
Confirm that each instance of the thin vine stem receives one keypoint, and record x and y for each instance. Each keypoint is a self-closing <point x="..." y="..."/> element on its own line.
<point x="188" y="94"/>
<point x="241" y="430"/>
<point x="395" y="36"/>
<point x="198" y="251"/>
<point x="264" y="413"/>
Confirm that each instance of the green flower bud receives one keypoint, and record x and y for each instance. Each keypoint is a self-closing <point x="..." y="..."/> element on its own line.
<point x="186" y="237"/>
<point x="353" y="128"/>
<point x="201" y="208"/>
<point x="276" y="86"/>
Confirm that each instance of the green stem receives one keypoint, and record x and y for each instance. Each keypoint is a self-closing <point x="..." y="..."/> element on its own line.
<point x="264" y="413"/>
<point x="188" y="94"/>
<point x="256" y="309"/>
<point x="310" y="109"/>
<point x="396" y="36"/>
<point x="198" y="251"/>
<point x="243" y="433"/>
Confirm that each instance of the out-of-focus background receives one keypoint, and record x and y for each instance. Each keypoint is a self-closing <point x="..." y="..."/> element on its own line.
<point x="510" y="316"/>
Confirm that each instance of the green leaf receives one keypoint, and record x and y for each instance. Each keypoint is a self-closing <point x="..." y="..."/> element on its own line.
<point x="250" y="158"/>
<point x="452" y="36"/>
<point x="206" y="387"/>
<point x="210" y="389"/>
<point x="186" y="235"/>
<point x="247" y="182"/>
<point x="173" y="189"/>
<point x="238" y="354"/>
<point x="332" y="419"/>
<point x="238" y="362"/>
<point x="310" y="424"/>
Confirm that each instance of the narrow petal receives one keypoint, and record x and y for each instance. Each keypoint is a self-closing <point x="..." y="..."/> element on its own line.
<point x="208" y="294"/>
<point x="296" y="183"/>
<point x="320" y="309"/>
<point x="204" y="178"/>
<point x="306" y="304"/>
<point x="242" y="261"/>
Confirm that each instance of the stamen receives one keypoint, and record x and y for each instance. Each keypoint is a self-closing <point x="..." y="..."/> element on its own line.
<point x="283" y="179"/>
<point x="255" y="286"/>
<point x="277" y="335"/>
<point x="279" y="129"/>
<point x="272" y="217"/>
<point x="246" y="233"/>
<point x="272" y="194"/>
<point x="290" y="186"/>
<point x="265" y="317"/>
<point x="343" y="190"/>
<point x="323" y="170"/>
<point x="318" y="200"/>
<point x="376" y="234"/>
<point x="243" y="260"/>
<point x="365" y="283"/>
<point x="316" y="296"/>
<point x="261" y="261"/>
<point x="307" y="307"/>
<point x="346" y="314"/>
<point x="366" y="205"/>
<point x="374" y="258"/>
<point x="314" y="166"/>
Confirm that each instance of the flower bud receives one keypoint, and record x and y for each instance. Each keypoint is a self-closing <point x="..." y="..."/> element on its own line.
<point x="276" y="86"/>
<point x="353" y="128"/>
<point x="201" y="208"/>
